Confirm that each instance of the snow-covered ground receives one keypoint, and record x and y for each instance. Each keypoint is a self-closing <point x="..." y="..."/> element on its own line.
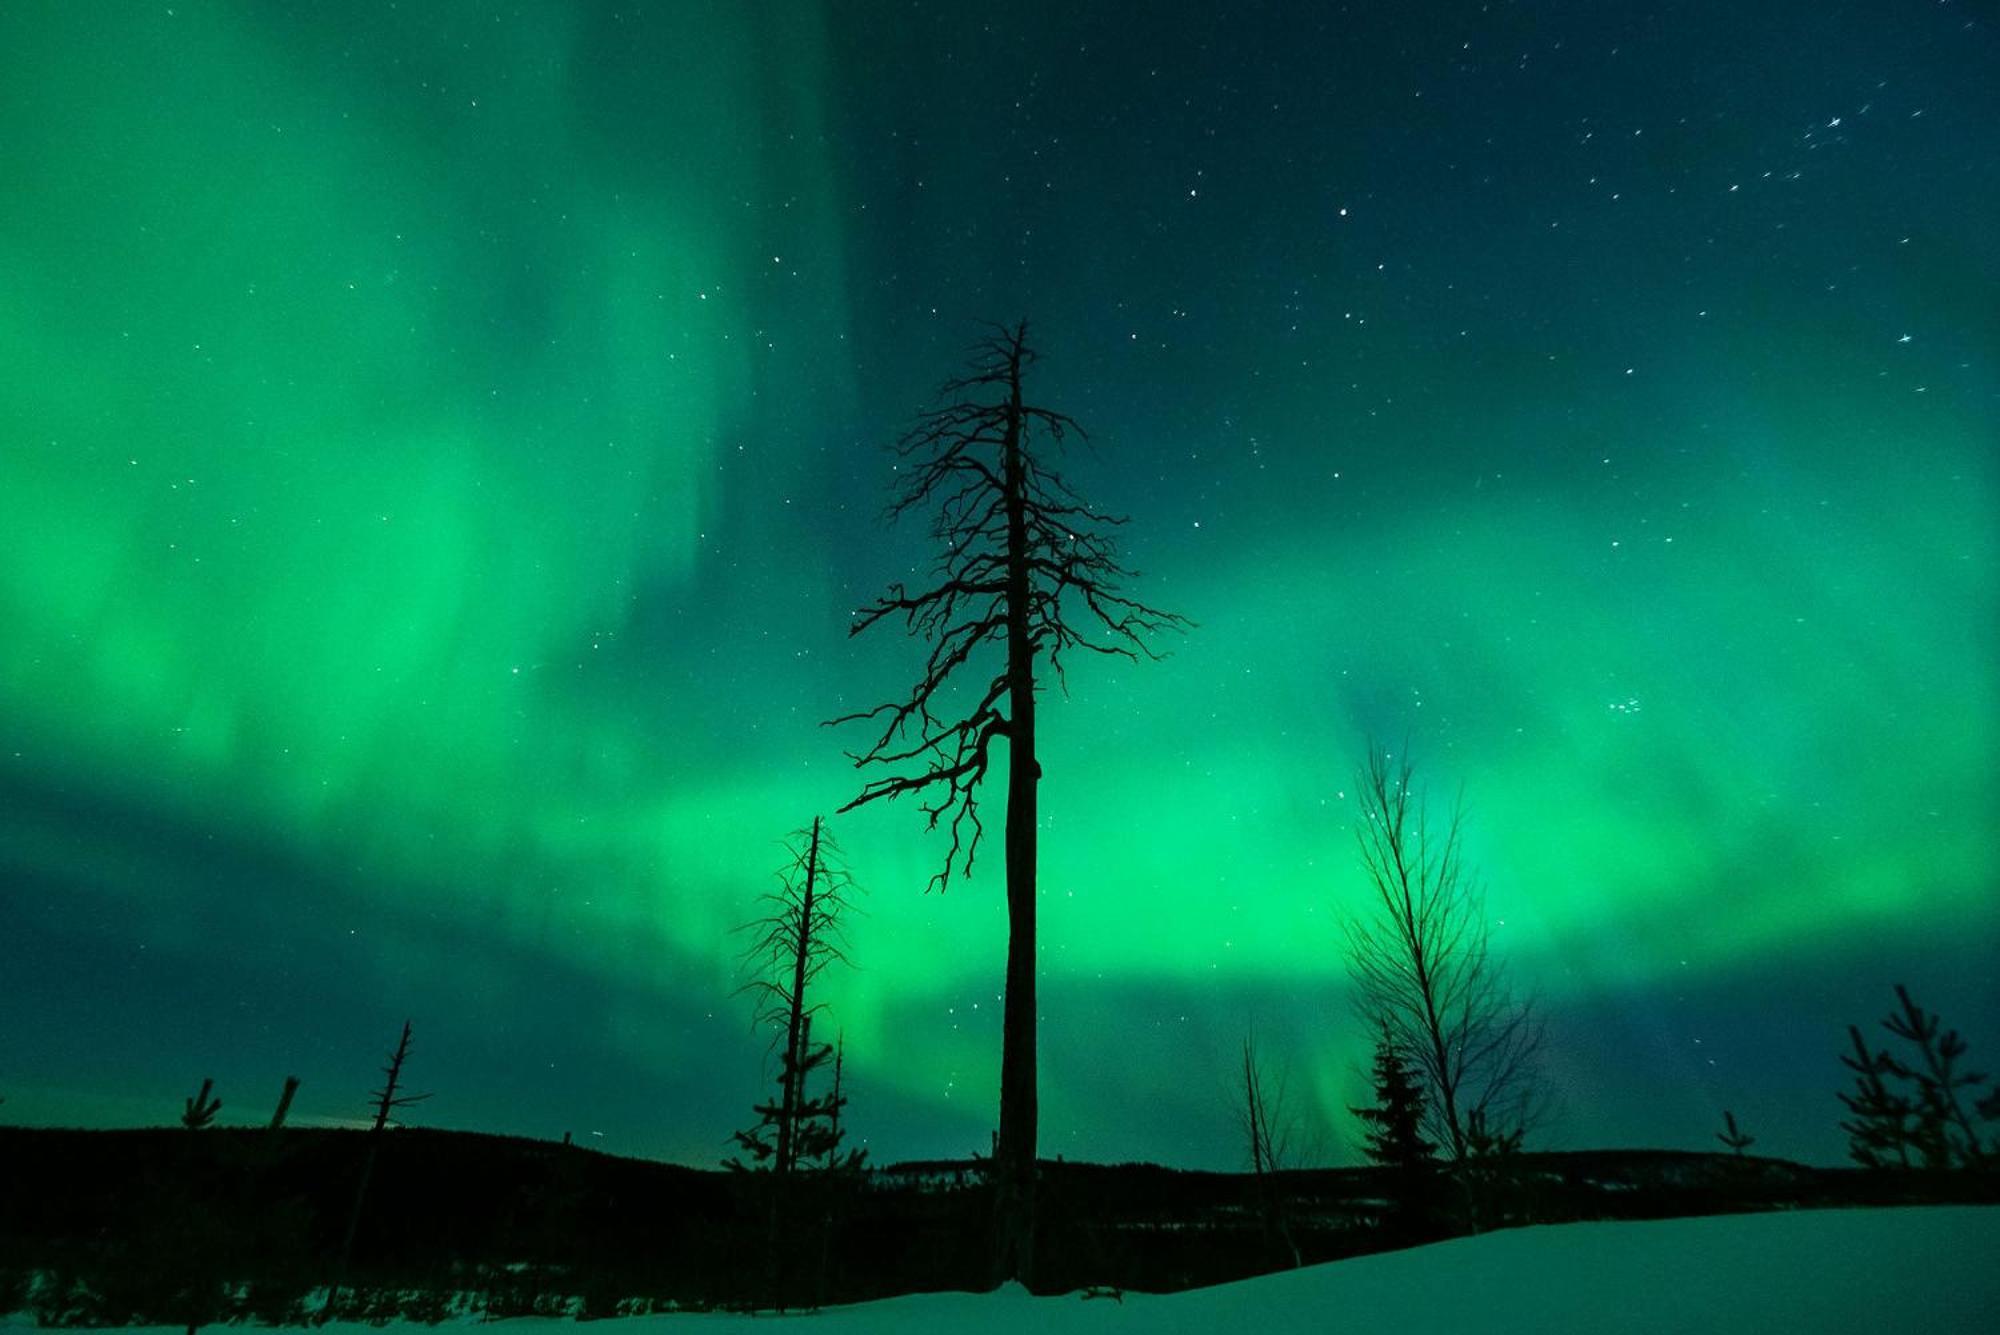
<point x="1931" y="1269"/>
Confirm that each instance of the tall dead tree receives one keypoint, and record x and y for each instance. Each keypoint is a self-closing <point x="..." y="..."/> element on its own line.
<point x="387" y="1102"/>
<point x="1026" y="572"/>
<point x="1423" y="968"/>
<point x="798" y="936"/>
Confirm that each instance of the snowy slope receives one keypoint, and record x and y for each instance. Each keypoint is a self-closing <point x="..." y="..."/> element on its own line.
<point x="1930" y="1270"/>
<point x="1933" y="1270"/>
<point x="1876" y="1271"/>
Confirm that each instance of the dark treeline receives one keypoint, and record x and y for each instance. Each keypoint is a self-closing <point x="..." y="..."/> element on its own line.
<point x="461" y="1220"/>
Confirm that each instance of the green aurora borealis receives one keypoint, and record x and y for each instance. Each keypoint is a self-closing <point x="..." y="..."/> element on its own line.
<point x="441" y="454"/>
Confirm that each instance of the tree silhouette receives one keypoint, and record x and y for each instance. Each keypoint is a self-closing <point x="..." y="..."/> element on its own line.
<point x="830" y="1156"/>
<point x="1395" y="1131"/>
<point x="794" y="942"/>
<point x="199" y="1111"/>
<point x="1733" y="1136"/>
<point x="1490" y="1168"/>
<point x="284" y="1104"/>
<point x="388" y="1101"/>
<point x="1026" y="573"/>
<point x="191" y="1249"/>
<point x="1880" y="1117"/>
<point x="1268" y="1128"/>
<point x="1941" y="1131"/>
<point x="1423" y="969"/>
<point x="1394" y="1135"/>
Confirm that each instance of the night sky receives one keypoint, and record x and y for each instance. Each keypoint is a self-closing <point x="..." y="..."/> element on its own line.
<point x="441" y="450"/>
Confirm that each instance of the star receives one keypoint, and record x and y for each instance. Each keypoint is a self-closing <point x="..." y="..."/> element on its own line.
<point x="1904" y="339"/>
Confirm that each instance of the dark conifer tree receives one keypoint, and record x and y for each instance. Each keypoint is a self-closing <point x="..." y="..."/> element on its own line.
<point x="810" y="1128"/>
<point x="1394" y="1138"/>
<point x="1923" y="1116"/>
<point x="1490" y="1170"/>
<point x="1395" y="1125"/>
<point x="1878" y="1128"/>
<point x="795" y="941"/>
<point x="1733" y="1136"/>
<point x="1943" y="1133"/>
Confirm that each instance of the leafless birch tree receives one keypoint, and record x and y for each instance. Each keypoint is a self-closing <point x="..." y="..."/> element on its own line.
<point x="1421" y="958"/>
<point x="1269" y="1128"/>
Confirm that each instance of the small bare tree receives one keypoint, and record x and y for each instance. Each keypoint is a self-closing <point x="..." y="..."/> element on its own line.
<point x="1269" y="1128"/>
<point x="1421" y="959"/>
<point x="1880" y="1116"/>
<point x="388" y="1101"/>
<point x="799" y="935"/>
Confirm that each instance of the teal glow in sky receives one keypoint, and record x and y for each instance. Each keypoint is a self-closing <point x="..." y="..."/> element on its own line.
<point x="441" y="455"/>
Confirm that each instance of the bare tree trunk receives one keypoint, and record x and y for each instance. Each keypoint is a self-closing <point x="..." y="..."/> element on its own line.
<point x="388" y="1099"/>
<point x="1251" y="1114"/>
<point x="1434" y="1028"/>
<point x="353" y="1227"/>
<point x="794" y="1051"/>
<point x="1018" y="545"/>
<point x="1019" y="1111"/>
<point x="284" y="1104"/>
<point x="1266" y="1151"/>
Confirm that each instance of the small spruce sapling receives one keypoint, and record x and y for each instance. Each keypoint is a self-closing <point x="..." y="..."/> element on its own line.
<point x="1395" y="1136"/>
<point x="1395" y="1132"/>
<point x="1733" y="1136"/>
<point x="1924" y="1118"/>
<point x="1878" y="1128"/>
<point x="200" y="1110"/>
<point x="1489" y="1167"/>
<point x="1944" y="1133"/>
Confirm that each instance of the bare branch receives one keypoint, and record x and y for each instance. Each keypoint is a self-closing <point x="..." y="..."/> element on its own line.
<point x="1010" y="530"/>
<point x="1421" y="960"/>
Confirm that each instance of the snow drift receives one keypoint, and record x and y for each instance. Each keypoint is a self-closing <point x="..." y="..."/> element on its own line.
<point x="1918" y="1269"/>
